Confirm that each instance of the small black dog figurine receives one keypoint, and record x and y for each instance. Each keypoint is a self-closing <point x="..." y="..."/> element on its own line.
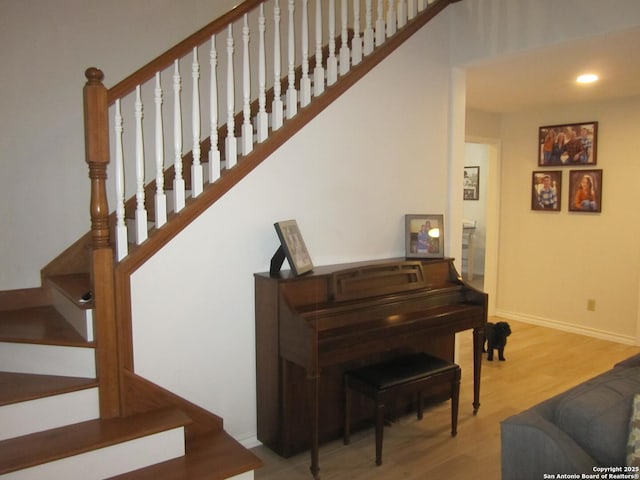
<point x="495" y="334"/>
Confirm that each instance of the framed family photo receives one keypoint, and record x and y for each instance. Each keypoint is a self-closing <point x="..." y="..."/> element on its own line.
<point x="546" y="190"/>
<point x="585" y="191"/>
<point x="569" y="144"/>
<point x="471" y="183"/>
<point x="294" y="247"/>
<point x="424" y="236"/>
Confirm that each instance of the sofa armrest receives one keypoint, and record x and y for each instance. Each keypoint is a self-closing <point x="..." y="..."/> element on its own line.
<point x="632" y="361"/>
<point x="533" y="446"/>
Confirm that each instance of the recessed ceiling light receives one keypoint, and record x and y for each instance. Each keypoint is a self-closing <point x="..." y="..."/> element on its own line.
<point x="587" y="78"/>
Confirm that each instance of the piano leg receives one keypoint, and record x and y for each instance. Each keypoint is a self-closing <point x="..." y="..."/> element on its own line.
<point x="478" y="340"/>
<point x="313" y="383"/>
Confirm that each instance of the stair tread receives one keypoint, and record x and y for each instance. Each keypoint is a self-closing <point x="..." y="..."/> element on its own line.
<point x="42" y="447"/>
<point x="43" y="325"/>
<point x="212" y="456"/>
<point x="20" y="387"/>
<point x="73" y="286"/>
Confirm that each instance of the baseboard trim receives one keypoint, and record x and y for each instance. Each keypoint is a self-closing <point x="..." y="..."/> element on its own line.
<point x="568" y="327"/>
<point x="249" y="442"/>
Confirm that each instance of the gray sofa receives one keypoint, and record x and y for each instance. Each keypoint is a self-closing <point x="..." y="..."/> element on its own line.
<point x="575" y="431"/>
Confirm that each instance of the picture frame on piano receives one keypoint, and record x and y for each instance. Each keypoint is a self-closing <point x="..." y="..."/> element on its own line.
<point x="293" y="247"/>
<point x="424" y="236"/>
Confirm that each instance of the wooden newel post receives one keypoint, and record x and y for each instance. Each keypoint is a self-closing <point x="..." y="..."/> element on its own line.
<point x="96" y="128"/>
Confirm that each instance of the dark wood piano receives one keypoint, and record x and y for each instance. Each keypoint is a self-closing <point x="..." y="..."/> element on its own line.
<point x="311" y="328"/>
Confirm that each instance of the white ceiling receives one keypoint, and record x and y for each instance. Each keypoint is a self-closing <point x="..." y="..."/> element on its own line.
<point x="547" y="76"/>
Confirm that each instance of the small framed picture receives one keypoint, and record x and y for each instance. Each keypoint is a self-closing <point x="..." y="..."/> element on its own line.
<point x="546" y="190"/>
<point x="585" y="190"/>
<point x="293" y="245"/>
<point x="570" y="144"/>
<point x="471" y="183"/>
<point x="424" y="236"/>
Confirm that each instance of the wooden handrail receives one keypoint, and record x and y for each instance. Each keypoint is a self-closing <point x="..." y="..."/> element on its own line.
<point x="139" y="254"/>
<point x="165" y="60"/>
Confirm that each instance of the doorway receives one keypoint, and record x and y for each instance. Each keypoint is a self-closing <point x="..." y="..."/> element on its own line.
<point x="480" y="218"/>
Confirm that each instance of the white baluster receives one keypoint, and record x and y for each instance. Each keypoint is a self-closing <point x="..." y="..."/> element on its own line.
<point x="345" y="54"/>
<point x="214" y="151"/>
<point x="262" y="119"/>
<point x="141" y="212"/>
<point x="247" y="127"/>
<point x="412" y="9"/>
<point x="231" y="144"/>
<point x="197" y="180"/>
<point x="178" y="180"/>
<point x="380" y="26"/>
<point x="402" y="13"/>
<point x="368" y="29"/>
<point x="277" y="106"/>
<point x="292" y="94"/>
<point x="122" y="245"/>
<point x="305" y="81"/>
<point x="356" y="42"/>
<point x="160" y="197"/>
<point x="318" y="71"/>
<point x="332" y="61"/>
<point x="422" y="4"/>
<point x="392" y="22"/>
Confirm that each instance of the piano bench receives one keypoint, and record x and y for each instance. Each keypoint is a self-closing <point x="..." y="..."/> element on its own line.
<point x="407" y="374"/>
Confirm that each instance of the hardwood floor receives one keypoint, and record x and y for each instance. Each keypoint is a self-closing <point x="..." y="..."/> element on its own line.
<point x="540" y="362"/>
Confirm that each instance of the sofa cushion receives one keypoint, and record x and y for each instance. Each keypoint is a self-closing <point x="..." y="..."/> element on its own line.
<point x="633" y="361"/>
<point x="633" y="443"/>
<point x="596" y="414"/>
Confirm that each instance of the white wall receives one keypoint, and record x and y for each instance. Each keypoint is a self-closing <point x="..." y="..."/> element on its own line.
<point x="45" y="47"/>
<point x="348" y="179"/>
<point x="551" y="263"/>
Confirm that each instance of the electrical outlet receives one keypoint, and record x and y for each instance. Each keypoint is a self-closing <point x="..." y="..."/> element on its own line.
<point x="591" y="305"/>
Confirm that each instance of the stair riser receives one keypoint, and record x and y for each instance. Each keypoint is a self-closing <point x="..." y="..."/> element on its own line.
<point x="49" y="412"/>
<point x="47" y="359"/>
<point x="80" y="319"/>
<point x="110" y="461"/>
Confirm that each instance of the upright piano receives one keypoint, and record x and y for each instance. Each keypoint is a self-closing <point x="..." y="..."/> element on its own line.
<point x="311" y="328"/>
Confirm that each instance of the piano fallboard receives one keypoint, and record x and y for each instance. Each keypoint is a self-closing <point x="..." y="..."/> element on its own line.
<point x="335" y="333"/>
<point x="393" y="332"/>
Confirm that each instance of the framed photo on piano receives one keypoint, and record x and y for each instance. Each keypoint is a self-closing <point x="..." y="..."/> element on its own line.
<point x="293" y="247"/>
<point x="424" y="236"/>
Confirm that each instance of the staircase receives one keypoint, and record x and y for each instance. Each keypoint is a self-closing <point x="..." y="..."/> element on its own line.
<point x="50" y="406"/>
<point x="71" y="404"/>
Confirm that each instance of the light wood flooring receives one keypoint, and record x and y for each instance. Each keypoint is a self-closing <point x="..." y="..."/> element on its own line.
<point x="540" y="362"/>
